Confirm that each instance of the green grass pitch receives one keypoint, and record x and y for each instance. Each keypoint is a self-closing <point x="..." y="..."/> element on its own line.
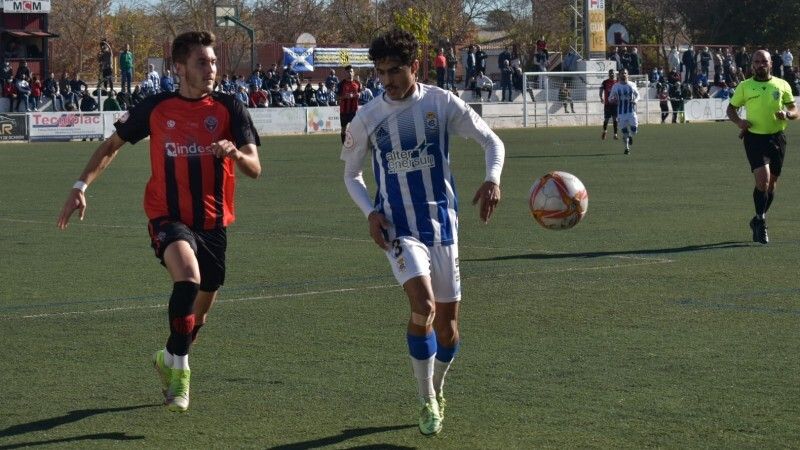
<point x="653" y="323"/>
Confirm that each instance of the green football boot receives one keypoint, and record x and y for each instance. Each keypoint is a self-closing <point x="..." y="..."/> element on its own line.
<point x="164" y="373"/>
<point x="430" y="420"/>
<point x="178" y="398"/>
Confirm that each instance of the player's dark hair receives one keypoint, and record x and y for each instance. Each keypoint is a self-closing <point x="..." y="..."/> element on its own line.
<point x="397" y="43"/>
<point x="184" y="43"/>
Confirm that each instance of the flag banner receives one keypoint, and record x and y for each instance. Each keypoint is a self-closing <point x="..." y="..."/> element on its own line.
<point x="340" y="57"/>
<point x="300" y="59"/>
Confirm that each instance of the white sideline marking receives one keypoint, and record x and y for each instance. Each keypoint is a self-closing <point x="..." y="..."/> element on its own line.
<point x="642" y="262"/>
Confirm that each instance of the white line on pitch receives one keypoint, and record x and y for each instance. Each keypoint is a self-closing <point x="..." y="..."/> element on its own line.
<point x="337" y="291"/>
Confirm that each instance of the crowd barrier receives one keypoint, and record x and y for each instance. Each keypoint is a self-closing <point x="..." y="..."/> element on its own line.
<point x="67" y="126"/>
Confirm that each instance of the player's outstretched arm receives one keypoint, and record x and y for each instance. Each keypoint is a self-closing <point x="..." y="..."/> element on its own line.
<point x="246" y="156"/>
<point x="100" y="159"/>
<point x="488" y="196"/>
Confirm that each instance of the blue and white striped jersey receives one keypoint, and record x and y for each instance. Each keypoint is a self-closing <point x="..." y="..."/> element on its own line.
<point x="626" y="95"/>
<point x="409" y="143"/>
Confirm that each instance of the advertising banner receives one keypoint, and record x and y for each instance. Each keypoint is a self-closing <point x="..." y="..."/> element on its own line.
<point x="706" y="109"/>
<point x="26" y="6"/>
<point x="279" y="120"/>
<point x="340" y="57"/>
<point x="64" y="126"/>
<point x="324" y="119"/>
<point x="597" y="27"/>
<point x="13" y="127"/>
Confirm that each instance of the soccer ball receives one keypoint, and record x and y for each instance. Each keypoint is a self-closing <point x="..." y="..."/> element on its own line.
<point x="558" y="200"/>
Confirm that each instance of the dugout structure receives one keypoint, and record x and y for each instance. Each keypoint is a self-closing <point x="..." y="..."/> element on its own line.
<point x="25" y="34"/>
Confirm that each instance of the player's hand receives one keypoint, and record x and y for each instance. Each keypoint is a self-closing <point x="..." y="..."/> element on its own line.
<point x="377" y="225"/>
<point x="76" y="200"/>
<point x="489" y="196"/>
<point x="226" y="149"/>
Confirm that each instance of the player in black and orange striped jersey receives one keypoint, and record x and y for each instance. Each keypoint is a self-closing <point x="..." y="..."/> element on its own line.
<point x="609" y="110"/>
<point x="197" y="140"/>
<point x="347" y="94"/>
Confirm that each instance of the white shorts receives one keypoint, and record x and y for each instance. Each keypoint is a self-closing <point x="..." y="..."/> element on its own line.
<point x="628" y="121"/>
<point x="411" y="258"/>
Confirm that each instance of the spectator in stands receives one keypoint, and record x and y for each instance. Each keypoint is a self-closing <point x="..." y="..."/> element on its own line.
<point x="321" y="95"/>
<point x="483" y="83"/>
<point x="12" y="49"/>
<point x="167" y="84"/>
<point x="111" y="103"/>
<point x="728" y="67"/>
<point x="701" y="79"/>
<point x="480" y="59"/>
<point x="7" y="72"/>
<point x="259" y="72"/>
<point x="506" y="74"/>
<point x="332" y="81"/>
<point x="50" y="91"/>
<point x="505" y="55"/>
<point x="154" y="77"/>
<point x="23" y="69"/>
<point x="674" y="60"/>
<point x="124" y="100"/>
<point x="259" y="98"/>
<point x="743" y="60"/>
<point x="63" y="81"/>
<point x="71" y="100"/>
<point x="724" y="92"/>
<point x="718" y="61"/>
<point x="365" y="96"/>
<point x="23" y="93"/>
<point x="777" y="67"/>
<point x="136" y="96"/>
<point x="440" y="64"/>
<point x="663" y="102"/>
<point x="241" y="95"/>
<point x="36" y="93"/>
<point x="452" y="63"/>
<point x="77" y="85"/>
<point x="565" y="97"/>
<point x="105" y="58"/>
<point x="88" y="103"/>
<point x="126" y="68"/>
<point x="570" y="63"/>
<point x="289" y="77"/>
<point x="299" y="95"/>
<point x="788" y="59"/>
<point x="625" y="59"/>
<point x="740" y="75"/>
<point x="256" y="78"/>
<point x="541" y="48"/>
<point x="617" y="58"/>
<point x="676" y="99"/>
<point x="705" y="61"/>
<point x="688" y="60"/>
<point x="516" y="77"/>
<point x="10" y="92"/>
<point x="310" y="95"/>
<point x="470" y="68"/>
<point x="273" y="71"/>
<point x="287" y="96"/>
<point x="700" y="91"/>
<point x="686" y="93"/>
<point x="147" y="88"/>
<point x="636" y="62"/>
<point x="227" y="86"/>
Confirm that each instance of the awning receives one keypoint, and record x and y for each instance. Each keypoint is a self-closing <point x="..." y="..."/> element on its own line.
<point x="26" y="33"/>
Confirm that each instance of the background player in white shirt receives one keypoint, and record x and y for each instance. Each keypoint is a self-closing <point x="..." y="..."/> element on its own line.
<point x="625" y="95"/>
<point x="413" y="218"/>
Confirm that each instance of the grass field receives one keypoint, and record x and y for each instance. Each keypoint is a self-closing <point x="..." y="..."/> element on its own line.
<point x="654" y="323"/>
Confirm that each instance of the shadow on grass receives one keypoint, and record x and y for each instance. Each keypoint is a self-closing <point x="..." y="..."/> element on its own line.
<point x="72" y="416"/>
<point x="344" y="436"/>
<point x="87" y="437"/>
<point x="593" y="155"/>
<point x="655" y="251"/>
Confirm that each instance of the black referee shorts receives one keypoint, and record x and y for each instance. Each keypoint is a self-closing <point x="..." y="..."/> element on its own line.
<point x="208" y="245"/>
<point x="610" y="111"/>
<point x="763" y="149"/>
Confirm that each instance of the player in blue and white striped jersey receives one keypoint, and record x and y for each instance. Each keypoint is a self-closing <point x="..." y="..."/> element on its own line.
<point x="407" y="133"/>
<point x="625" y="95"/>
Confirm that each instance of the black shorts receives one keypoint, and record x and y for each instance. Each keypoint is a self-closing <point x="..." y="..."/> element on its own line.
<point x="208" y="245"/>
<point x="610" y="111"/>
<point x="763" y="149"/>
<point x="346" y="118"/>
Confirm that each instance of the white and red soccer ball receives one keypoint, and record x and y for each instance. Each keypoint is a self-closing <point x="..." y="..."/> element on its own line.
<point x="558" y="200"/>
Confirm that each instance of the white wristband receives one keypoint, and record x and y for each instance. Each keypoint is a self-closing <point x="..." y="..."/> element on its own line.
<point x="80" y="185"/>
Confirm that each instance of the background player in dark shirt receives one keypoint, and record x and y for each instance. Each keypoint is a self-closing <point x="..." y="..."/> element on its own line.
<point x="197" y="138"/>
<point x="347" y="94"/>
<point x="609" y="110"/>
